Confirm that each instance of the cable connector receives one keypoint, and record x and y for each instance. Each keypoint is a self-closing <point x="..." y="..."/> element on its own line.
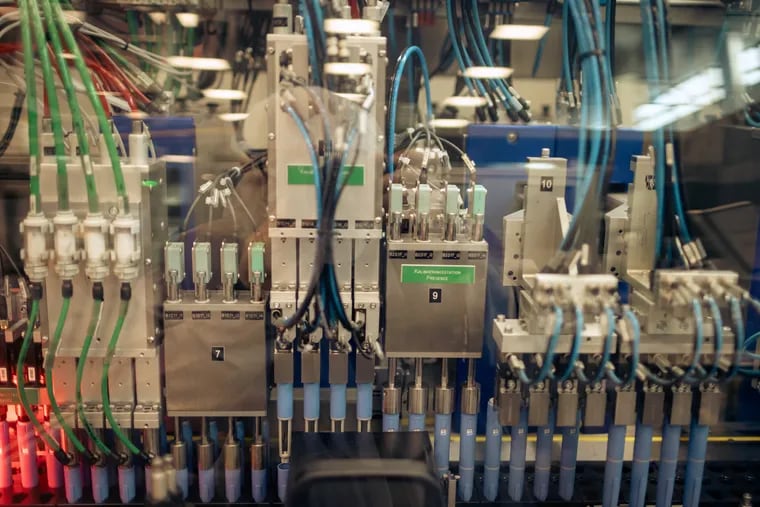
<point x="94" y="228"/>
<point x="66" y="253"/>
<point x="126" y="254"/>
<point x="36" y="229"/>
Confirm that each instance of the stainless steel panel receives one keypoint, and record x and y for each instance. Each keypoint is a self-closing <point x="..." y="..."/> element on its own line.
<point x="435" y="319"/>
<point x="539" y="402"/>
<point x="215" y="358"/>
<point x="625" y="407"/>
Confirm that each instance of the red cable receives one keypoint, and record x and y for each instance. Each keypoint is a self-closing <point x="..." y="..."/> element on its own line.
<point x="355" y="13"/>
<point x="118" y="71"/>
<point x="115" y="84"/>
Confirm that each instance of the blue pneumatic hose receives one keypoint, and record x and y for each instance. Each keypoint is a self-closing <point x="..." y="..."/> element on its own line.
<point x="285" y="401"/>
<point x="695" y="464"/>
<point x="666" y="474"/>
<point x="72" y="480"/>
<point x="283" y="469"/>
<point x="213" y="436"/>
<point x="613" y="468"/>
<point x="468" y="428"/>
<point x="391" y="422"/>
<point x="442" y="443"/>
<point x="363" y="402"/>
<point x="493" y="453"/>
<point x="99" y="483"/>
<point x="338" y="402"/>
<point x="543" y="467"/>
<point x="642" y="454"/>
<point x="311" y="401"/>
<point x="517" y="452"/>
<point x="568" y="459"/>
<point x="187" y="438"/>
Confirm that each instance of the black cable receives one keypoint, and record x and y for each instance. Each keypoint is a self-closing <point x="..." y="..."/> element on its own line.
<point x="10" y="130"/>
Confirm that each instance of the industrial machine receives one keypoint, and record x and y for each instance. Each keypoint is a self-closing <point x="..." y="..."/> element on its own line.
<point x="367" y="251"/>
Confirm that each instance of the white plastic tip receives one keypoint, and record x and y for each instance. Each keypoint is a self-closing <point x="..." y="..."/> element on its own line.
<point x="178" y="159"/>
<point x="223" y="94"/>
<point x="189" y="62"/>
<point x="188" y="19"/>
<point x="449" y="123"/>
<point x="347" y="69"/>
<point x="158" y="18"/>
<point x="487" y="72"/>
<point x="341" y="26"/>
<point x="519" y="32"/>
<point x="137" y="115"/>
<point x="233" y="117"/>
<point x="465" y="101"/>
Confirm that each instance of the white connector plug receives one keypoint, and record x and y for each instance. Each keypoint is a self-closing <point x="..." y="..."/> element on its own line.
<point x="35" y="228"/>
<point x="65" y="250"/>
<point x="96" y="255"/>
<point x="126" y="253"/>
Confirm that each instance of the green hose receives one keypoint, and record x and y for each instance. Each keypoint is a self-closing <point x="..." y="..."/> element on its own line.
<point x="31" y="109"/>
<point x="124" y="308"/>
<point x="49" y="365"/>
<point x="21" y="381"/>
<point x="94" y="320"/>
<point x="105" y="127"/>
<point x="62" y="177"/>
<point x="76" y="113"/>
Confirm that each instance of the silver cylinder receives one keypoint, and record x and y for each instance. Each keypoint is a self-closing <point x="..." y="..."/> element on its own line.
<point x="417" y="400"/>
<point x="256" y="287"/>
<point x="450" y="232"/>
<point x="171" y="476"/>
<point x="231" y="456"/>
<point x="152" y="441"/>
<point x="395" y="232"/>
<point x="423" y="227"/>
<point x="282" y="18"/>
<point x="172" y="287"/>
<point x="391" y="400"/>
<point x="179" y="455"/>
<point x="443" y="400"/>
<point x="258" y="458"/>
<point x="205" y="455"/>
<point x="158" y="482"/>
<point x="476" y="232"/>
<point x="228" y="289"/>
<point x="470" y="399"/>
<point x="201" y="290"/>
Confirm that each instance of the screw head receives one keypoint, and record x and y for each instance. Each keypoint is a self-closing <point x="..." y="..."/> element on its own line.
<point x="512" y="137"/>
<point x="270" y="50"/>
<point x="151" y="340"/>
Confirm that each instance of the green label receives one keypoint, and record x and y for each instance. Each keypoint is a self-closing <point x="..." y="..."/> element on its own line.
<point x="304" y="175"/>
<point x="429" y="274"/>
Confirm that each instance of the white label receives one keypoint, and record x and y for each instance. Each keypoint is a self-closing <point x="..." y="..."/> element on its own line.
<point x="32" y="374"/>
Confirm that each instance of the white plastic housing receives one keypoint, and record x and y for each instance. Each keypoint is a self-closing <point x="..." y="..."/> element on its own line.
<point x="65" y="244"/>
<point x="125" y="233"/>
<point x="95" y="230"/>
<point x="35" y="229"/>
